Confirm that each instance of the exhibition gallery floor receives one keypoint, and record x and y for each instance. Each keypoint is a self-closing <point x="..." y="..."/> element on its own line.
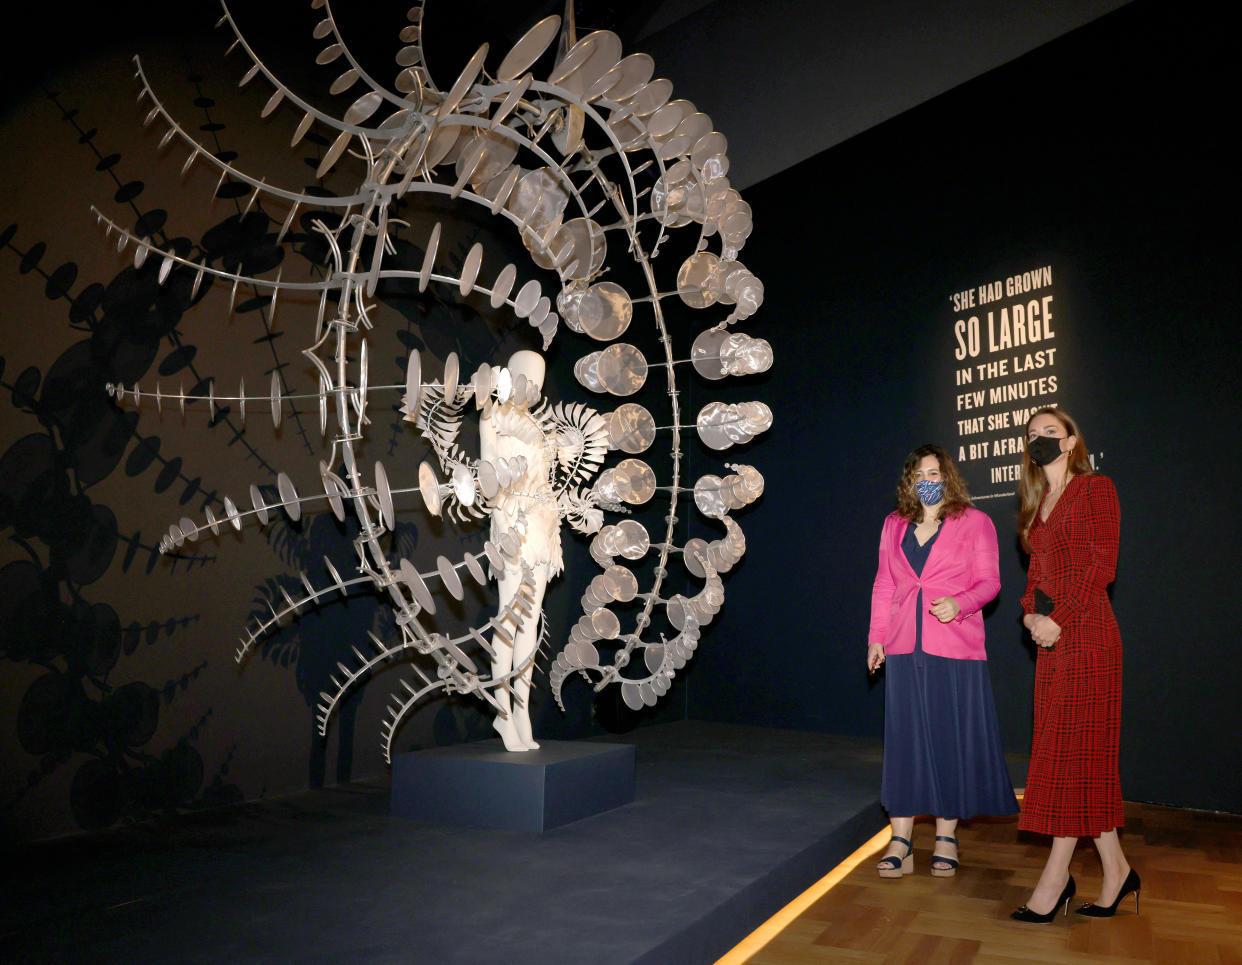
<point x="1190" y="912"/>
<point x="730" y="825"/>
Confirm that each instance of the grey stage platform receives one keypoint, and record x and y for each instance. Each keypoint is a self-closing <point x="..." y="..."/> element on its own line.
<point x="729" y="824"/>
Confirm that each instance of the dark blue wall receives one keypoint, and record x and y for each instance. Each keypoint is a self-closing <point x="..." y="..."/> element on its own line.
<point x="1102" y="154"/>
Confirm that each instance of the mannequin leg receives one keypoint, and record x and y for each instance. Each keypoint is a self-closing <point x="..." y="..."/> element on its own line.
<point x="502" y="664"/>
<point x="523" y="652"/>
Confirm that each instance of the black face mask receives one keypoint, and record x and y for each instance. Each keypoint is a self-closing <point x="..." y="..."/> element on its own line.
<point x="1043" y="450"/>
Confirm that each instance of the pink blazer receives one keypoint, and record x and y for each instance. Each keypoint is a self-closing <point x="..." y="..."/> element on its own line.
<point x="963" y="564"/>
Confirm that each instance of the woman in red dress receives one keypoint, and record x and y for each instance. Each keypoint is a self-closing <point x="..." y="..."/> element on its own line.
<point x="1069" y="523"/>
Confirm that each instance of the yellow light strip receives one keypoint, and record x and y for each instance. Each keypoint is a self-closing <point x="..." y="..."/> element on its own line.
<point x="783" y="918"/>
<point x="743" y="950"/>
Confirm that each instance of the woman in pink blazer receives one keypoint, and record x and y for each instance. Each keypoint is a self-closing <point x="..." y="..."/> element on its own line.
<point x="942" y="751"/>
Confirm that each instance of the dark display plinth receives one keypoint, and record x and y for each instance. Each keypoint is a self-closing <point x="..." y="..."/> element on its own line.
<point x="483" y="785"/>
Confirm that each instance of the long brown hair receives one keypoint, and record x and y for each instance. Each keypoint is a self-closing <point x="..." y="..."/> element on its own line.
<point x="1034" y="483"/>
<point x="956" y="498"/>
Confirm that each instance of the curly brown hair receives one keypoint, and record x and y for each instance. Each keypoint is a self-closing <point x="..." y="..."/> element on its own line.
<point x="1034" y="482"/>
<point x="956" y="498"/>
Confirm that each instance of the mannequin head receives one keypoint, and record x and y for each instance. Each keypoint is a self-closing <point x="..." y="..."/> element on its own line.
<point x="529" y="364"/>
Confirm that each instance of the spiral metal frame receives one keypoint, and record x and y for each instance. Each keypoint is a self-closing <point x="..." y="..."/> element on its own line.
<point x="404" y="154"/>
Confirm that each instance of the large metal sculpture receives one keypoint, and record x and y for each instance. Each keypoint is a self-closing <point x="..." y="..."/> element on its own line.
<point x="592" y="164"/>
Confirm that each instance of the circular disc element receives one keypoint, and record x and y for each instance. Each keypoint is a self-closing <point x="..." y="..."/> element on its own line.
<point x="586" y="371"/>
<point x="411" y="578"/>
<point x="575" y="57"/>
<point x="580" y="248"/>
<point x="719" y="560"/>
<point x="695" y="126"/>
<point x="631" y="428"/>
<point x="429" y="258"/>
<point x="622" y="369"/>
<point x="530" y="48"/>
<point x="694" y="548"/>
<point x="429" y="487"/>
<point x="705" y="353"/>
<point x="604" y="55"/>
<point x="503" y="285"/>
<point x="600" y="589"/>
<point x="539" y="313"/>
<point x="449" y="577"/>
<point x="503" y="476"/>
<point x="509" y="545"/>
<point x="413" y="383"/>
<point x="692" y="279"/>
<point x="452" y="369"/>
<point x="588" y="656"/>
<point x="664" y="121"/>
<point x="443" y="140"/>
<point x="756" y="416"/>
<point x="605" y="311"/>
<point x="288" y="496"/>
<point x="492" y="552"/>
<point x="463" y="485"/>
<point x="719" y="425"/>
<point x="675" y="146"/>
<point x="487" y="479"/>
<point x="629" y="130"/>
<point x="634" y="540"/>
<point x="629" y="693"/>
<point x="621" y="583"/>
<point x="624" y="79"/>
<point x="538" y="200"/>
<point x="329" y="487"/>
<point x="677" y="611"/>
<point x="470" y="268"/>
<point x="384" y="493"/>
<point x="608" y="486"/>
<point x="650" y="97"/>
<point x="462" y="84"/>
<point x="472" y="564"/>
<point x="711" y="144"/>
<point x="605" y="623"/>
<point x="641" y="481"/>
<point x="707" y="496"/>
<point x="488" y="156"/>
<point x="256" y="500"/>
<point x="527" y="298"/>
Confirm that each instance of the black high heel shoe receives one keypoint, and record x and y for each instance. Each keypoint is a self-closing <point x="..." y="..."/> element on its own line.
<point x="1131" y="884"/>
<point x="1034" y="917"/>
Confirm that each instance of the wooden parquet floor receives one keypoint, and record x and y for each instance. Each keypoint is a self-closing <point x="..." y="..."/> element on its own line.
<point x="1191" y="905"/>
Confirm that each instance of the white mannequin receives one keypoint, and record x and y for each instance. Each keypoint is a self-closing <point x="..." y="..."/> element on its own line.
<point x="526" y="508"/>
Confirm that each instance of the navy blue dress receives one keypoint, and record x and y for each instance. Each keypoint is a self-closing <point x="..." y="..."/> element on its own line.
<point x="942" y="747"/>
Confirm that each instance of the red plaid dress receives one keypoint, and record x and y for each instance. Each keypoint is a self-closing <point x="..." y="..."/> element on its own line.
<point x="1073" y="787"/>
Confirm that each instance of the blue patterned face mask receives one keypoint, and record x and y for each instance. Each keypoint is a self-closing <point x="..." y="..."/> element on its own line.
<point x="929" y="492"/>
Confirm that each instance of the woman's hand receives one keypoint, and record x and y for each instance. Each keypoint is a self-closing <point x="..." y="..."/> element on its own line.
<point x="944" y="608"/>
<point x="875" y="656"/>
<point x="1044" y="630"/>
